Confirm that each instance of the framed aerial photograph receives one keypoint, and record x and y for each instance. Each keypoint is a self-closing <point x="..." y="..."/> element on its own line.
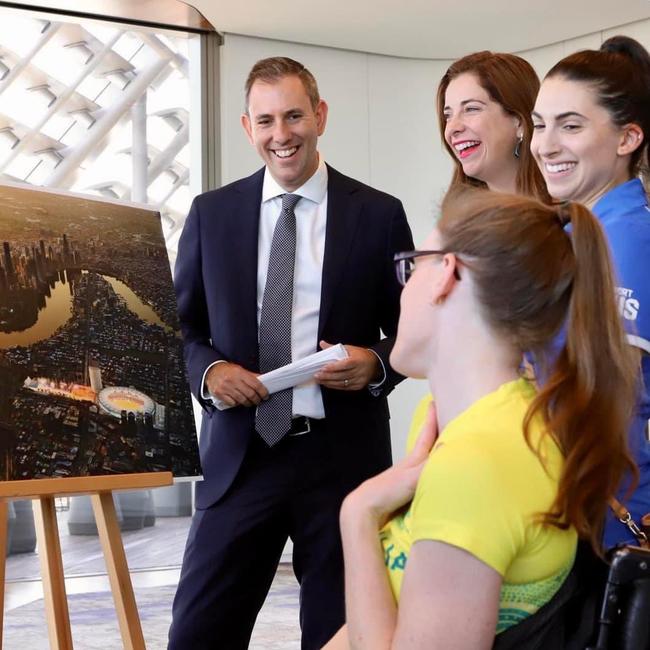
<point x="92" y="377"/>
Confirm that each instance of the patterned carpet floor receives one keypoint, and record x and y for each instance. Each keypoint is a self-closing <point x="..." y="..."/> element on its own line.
<point x="94" y="624"/>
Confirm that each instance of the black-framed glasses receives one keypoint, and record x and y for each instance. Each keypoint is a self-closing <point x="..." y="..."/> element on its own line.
<point x="405" y="263"/>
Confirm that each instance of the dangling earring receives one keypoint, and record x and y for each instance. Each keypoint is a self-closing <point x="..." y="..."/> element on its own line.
<point x="517" y="150"/>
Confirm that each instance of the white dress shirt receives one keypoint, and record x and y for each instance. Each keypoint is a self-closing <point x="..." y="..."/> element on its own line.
<point x="311" y="221"/>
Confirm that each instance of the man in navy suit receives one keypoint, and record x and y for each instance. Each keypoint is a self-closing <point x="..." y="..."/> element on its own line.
<point x="256" y="495"/>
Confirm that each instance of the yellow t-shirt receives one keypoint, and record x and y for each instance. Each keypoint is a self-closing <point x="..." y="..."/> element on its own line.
<point x="418" y="419"/>
<point x="480" y="490"/>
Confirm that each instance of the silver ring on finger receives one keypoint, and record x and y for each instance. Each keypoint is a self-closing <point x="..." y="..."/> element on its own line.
<point x="346" y="382"/>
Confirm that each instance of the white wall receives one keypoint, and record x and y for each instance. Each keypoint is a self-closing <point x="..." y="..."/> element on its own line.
<point x="382" y="130"/>
<point x="543" y="58"/>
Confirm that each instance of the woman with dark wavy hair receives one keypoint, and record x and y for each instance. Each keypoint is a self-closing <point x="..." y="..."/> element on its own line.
<point x="592" y="129"/>
<point x="477" y="530"/>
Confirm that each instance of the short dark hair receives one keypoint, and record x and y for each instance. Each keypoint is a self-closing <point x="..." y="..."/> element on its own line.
<point x="275" y="68"/>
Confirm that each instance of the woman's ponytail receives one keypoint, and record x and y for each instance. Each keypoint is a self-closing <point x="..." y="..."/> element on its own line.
<point x="591" y="394"/>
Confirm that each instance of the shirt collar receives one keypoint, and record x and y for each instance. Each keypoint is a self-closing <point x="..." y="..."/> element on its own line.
<point x="314" y="189"/>
<point x="624" y="196"/>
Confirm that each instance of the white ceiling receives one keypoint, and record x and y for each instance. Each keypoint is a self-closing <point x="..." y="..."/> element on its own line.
<point x="432" y="29"/>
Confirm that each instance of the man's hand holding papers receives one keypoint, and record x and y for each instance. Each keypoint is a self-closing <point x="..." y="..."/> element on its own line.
<point x="293" y="374"/>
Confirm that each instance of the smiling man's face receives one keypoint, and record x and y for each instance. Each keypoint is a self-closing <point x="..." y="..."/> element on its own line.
<point x="283" y="126"/>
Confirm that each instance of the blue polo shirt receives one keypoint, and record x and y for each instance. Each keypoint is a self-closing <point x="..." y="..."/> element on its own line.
<point x="625" y="216"/>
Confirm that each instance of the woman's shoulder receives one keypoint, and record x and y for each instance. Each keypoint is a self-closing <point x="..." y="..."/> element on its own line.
<point x="495" y="418"/>
<point x="488" y="443"/>
<point x="625" y="214"/>
<point x="503" y="405"/>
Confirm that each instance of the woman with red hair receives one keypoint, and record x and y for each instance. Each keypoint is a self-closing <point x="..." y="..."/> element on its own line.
<point x="477" y="530"/>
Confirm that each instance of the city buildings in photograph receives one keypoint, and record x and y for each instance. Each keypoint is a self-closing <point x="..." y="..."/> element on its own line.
<point x="92" y="378"/>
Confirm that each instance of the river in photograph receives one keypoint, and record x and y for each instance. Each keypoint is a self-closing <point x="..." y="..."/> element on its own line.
<point x="58" y="310"/>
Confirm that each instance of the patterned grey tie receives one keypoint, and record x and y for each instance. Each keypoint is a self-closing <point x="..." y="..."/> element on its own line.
<point x="273" y="419"/>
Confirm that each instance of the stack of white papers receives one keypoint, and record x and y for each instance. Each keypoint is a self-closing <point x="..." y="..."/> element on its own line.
<point x="298" y="372"/>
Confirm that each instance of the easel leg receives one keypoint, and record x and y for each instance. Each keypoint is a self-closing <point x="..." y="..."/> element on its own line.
<point x="3" y="559"/>
<point x="49" y="551"/>
<point x="118" y="571"/>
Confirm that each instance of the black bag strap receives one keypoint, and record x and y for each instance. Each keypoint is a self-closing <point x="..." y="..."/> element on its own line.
<point x="568" y="620"/>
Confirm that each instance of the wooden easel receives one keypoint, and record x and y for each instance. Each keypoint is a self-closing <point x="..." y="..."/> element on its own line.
<point x="100" y="489"/>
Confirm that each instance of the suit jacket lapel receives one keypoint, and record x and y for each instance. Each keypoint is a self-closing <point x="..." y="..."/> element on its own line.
<point x="342" y="222"/>
<point x="244" y="238"/>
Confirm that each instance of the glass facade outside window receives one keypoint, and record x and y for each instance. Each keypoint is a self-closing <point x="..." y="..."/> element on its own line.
<point x="96" y="108"/>
<point x="101" y="109"/>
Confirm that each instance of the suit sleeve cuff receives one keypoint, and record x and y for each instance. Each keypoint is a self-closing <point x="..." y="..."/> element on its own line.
<point x="375" y="387"/>
<point x="205" y="393"/>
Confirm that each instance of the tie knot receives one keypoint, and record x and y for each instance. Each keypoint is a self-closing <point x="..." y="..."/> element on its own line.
<point x="289" y="201"/>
